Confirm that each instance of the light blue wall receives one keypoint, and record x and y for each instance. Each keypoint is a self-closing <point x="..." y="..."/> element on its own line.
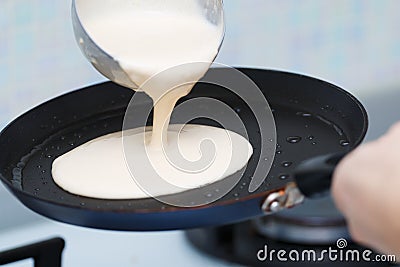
<point x="354" y="43"/>
<point x="38" y="55"/>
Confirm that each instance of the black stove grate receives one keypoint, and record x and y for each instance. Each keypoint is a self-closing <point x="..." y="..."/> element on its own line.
<point x="46" y="253"/>
<point x="240" y="244"/>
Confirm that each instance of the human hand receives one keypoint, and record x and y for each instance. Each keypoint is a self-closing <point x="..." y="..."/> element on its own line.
<point x="366" y="189"/>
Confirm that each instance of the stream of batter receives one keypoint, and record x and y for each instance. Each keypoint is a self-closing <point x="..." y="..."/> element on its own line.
<point x="146" y="43"/>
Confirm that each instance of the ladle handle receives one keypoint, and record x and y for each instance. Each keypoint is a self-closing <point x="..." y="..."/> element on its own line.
<point x="314" y="176"/>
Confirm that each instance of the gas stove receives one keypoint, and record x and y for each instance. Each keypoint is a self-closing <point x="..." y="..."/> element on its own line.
<point x="89" y="247"/>
<point x="313" y="234"/>
<point x="243" y="244"/>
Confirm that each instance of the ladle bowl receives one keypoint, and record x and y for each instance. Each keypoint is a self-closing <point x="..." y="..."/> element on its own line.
<point x="212" y="10"/>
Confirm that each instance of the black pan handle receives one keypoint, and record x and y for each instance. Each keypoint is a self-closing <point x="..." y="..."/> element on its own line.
<point x="314" y="176"/>
<point x="45" y="253"/>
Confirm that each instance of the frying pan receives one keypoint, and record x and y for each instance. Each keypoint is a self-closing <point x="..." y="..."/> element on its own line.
<point x="325" y="119"/>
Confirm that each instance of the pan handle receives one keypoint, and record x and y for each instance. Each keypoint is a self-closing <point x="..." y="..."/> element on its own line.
<point x="312" y="179"/>
<point x="314" y="176"/>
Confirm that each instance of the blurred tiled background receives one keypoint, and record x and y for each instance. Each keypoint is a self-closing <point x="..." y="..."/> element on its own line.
<point x="354" y="43"/>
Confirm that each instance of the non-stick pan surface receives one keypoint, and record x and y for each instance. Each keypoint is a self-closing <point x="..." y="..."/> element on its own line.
<point x="327" y="119"/>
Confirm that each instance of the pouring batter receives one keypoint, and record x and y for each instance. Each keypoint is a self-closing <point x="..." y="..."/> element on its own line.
<point x="146" y="43"/>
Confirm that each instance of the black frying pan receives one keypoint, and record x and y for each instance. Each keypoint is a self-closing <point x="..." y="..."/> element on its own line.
<point x="327" y="118"/>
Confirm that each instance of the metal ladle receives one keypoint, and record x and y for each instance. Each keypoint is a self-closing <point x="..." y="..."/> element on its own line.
<point x="100" y="59"/>
<point x="105" y="63"/>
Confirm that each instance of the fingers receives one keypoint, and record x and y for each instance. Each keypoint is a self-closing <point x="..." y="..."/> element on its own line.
<point x="349" y="174"/>
<point x="365" y="189"/>
<point x="395" y="129"/>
